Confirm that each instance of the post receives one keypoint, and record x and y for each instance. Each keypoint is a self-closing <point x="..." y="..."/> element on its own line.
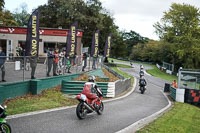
<point x="64" y="61"/>
<point x="76" y="64"/>
<point x="24" y="68"/>
<point x="46" y="64"/>
<point x="89" y="62"/>
<point x="179" y="77"/>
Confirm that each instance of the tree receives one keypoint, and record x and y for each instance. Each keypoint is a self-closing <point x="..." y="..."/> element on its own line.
<point x="8" y="19"/>
<point x="21" y="15"/>
<point x="180" y="27"/>
<point x="90" y="16"/>
<point x="5" y="16"/>
<point x="132" y="38"/>
<point x="1" y="8"/>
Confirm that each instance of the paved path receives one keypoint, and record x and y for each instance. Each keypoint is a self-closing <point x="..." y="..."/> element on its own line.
<point x="117" y="114"/>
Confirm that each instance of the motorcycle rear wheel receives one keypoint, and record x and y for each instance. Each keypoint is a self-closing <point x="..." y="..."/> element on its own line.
<point x="101" y="108"/>
<point x="81" y="111"/>
<point x="5" y="128"/>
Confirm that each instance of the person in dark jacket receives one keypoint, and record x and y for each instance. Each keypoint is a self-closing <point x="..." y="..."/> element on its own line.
<point x="2" y="62"/>
<point x="142" y="82"/>
<point x="50" y="61"/>
<point x="33" y="65"/>
<point x="55" y="62"/>
<point x="85" y="55"/>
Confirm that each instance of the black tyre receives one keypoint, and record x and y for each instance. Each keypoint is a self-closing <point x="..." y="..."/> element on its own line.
<point x="5" y="128"/>
<point x="142" y="90"/>
<point x="101" y="108"/>
<point x="81" y="111"/>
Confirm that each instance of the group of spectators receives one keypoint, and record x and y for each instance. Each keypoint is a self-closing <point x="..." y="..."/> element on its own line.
<point x="58" y="60"/>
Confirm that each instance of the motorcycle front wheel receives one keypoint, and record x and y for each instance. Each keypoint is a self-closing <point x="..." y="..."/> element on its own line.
<point x="81" y="111"/>
<point x="5" y="128"/>
<point x="101" y="108"/>
<point x="142" y="90"/>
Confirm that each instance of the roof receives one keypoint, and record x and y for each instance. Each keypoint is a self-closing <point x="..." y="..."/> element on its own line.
<point x="43" y="31"/>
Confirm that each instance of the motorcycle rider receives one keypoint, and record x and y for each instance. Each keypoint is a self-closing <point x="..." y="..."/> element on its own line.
<point x="90" y="90"/>
<point x="141" y="67"/>
<point x="141" y="73"/>
<point x="142" y="82"/>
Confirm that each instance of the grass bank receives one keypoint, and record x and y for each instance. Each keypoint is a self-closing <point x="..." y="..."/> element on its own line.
<point x="123" y="73"/>
<point x="50" y="98"/>
<point x="183" y="118"/>
<point x="154" y="72"/>
<point x="158" y="73"/>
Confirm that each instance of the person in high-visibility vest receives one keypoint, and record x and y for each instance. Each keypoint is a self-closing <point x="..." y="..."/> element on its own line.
<point x="174" y="84"/>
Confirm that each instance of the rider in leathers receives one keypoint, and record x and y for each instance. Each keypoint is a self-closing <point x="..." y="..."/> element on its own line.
<point x="90" y="90"/>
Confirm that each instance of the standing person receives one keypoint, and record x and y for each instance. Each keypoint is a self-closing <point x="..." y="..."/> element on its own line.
<point x="55" y="62"/>
<point x="174" y="84"/>
<point x="50" y="61"/>
<point x="68" y="64"/>
<point x="2" y="62"/>
<point x="19" y="53"/>
<point x="60" y="62"/>
<point x="85" y="55"/>
<point x="33" y="65"/>
<point x="73" y="59"/>
<point x="94" y="63"/>
<point x="19" y="50"/>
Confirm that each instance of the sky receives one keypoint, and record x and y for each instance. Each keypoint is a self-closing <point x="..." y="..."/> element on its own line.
<point x="136" y="15"/>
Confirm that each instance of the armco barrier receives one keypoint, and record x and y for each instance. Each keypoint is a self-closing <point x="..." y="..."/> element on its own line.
<point x="113" y="72"/>
<point x="36" y="86"/>
<point x="76" y="87"/>
<point x="121" y="86"/>
<point x="173" y="93"/>
<point x="12" y="90"/>
<point x="110" y="89"/>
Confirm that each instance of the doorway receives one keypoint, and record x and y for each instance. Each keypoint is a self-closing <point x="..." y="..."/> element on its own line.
<point x="3" y="45"/>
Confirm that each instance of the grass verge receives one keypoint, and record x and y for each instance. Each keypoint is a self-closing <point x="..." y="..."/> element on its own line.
<point x="158" y="73"/>
<point x="110" y="60"/>
<point x="123" y="66"/>
<point x="154" y="72"/>
<point x="50" y="98"/>
<point x="183" y="118"/>
<point x="123" y="74"/>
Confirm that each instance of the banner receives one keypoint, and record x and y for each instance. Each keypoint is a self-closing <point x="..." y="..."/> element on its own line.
<point x="32" y="35"/>
<point x="107" y="46"/>
<point x="71" y="40"/>
<point x="95" y="44"/>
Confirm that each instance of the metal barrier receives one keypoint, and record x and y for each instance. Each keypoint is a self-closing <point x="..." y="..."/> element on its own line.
<point x="173" y="93"/>
<point x="113" y="72"/>
<point x="19" y="68"/>
<point x="76" y="87"/>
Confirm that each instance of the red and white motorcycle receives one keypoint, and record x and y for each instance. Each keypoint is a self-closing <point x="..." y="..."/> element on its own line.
<point x="85" y="104"/>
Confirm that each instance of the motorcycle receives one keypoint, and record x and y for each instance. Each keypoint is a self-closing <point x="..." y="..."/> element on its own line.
<point x="142" y="84"/>
<point x="84" y="107"/>
<point x="141" y="73"/>
<point x="4" y="126"/>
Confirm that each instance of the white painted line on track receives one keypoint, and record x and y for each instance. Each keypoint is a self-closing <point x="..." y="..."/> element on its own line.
<point x="147" y="73"/>
<point x="141" y="123"/>
<point x="39" y="112"/>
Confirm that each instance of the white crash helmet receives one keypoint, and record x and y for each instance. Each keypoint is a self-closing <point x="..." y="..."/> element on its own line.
<point x="91" y="79"/>
<point x="141" y="67"/>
